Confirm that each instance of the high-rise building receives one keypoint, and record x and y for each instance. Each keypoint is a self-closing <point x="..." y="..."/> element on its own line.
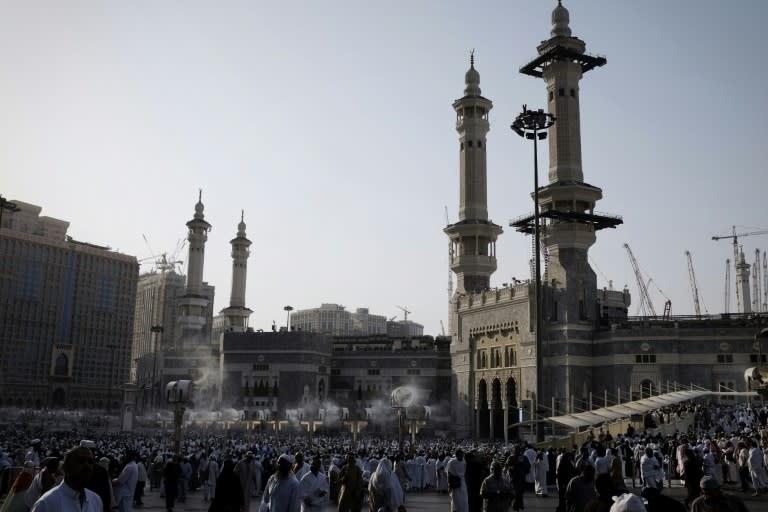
<point x="66" y="315"/>
<point x="154" y="330"/>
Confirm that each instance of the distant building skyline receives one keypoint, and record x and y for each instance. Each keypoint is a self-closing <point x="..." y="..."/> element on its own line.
<point x="335" y="320"/>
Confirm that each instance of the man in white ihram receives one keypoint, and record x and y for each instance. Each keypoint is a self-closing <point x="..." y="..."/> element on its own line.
<point x="313" y="489"/>
<point x="126" y="483"/>
<point x="457" y="467"/>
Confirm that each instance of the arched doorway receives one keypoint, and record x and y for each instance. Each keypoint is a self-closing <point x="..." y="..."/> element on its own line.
<point x="647" y="388"/>
<point x="513" y="415"/>
<point x="321" y="390"/>
<point x="59" y="397"/>
<point x="496" y="410"/>
<point x="484" y="419"/>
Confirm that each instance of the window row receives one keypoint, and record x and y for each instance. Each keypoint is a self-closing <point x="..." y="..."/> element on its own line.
<point x="496" y="361"/>
<point x="470" y="144"/>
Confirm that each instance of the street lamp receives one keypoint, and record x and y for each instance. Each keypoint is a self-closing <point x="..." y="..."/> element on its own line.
<point x="532" y="125"/>
<point x="158" y="330"/>
<point x="288" y="320"/>
<point x="112" y="349"/>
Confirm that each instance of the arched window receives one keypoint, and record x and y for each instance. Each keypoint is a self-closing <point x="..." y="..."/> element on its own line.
<point x="61" y="368"/>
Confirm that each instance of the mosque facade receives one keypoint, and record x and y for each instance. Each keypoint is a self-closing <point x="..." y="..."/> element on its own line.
<point x="588" y="351"/>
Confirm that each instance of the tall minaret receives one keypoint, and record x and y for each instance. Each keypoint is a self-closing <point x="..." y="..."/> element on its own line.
<point x="193" y="306"/>
<point x="567" y="203"/>
<point x="742" y="283"/>
<point x="198" y="235"/>
<point x="473" y="236"/>
<point x="237" y="314"/>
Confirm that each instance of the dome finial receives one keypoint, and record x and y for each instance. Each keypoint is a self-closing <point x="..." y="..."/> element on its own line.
<point x="241" y="225"/>
<point x="472" y="77"/>
<point x="560" y="20"/>
<point x="199" y="206"/>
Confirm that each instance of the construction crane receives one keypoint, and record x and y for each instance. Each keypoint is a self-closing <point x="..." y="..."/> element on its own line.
<point x="667" y="304"/>
<point x="450" y="259"/>
<point x="646" y="307"/>
<point x="765" y="282"/>
<point x="727" y="295"/>
<point x="756" y="282"/>
<point x="694" y="286"/>
<point x="405" y="312"/>
<point x="739" y="306"/>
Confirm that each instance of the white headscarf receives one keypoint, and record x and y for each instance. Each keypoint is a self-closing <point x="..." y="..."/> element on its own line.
<point x="381" y="479"/>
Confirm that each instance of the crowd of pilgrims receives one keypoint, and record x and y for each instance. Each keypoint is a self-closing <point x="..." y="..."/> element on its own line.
<point x="725" y="445"/>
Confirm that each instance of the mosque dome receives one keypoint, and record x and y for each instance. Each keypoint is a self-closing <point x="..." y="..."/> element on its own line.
<point x="560" y="20"/>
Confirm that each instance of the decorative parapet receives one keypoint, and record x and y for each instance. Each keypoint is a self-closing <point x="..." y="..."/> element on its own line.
<point x="515" y="293"/>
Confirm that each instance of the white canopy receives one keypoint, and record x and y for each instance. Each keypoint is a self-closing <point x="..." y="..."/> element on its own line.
<point x="625" y="410"/>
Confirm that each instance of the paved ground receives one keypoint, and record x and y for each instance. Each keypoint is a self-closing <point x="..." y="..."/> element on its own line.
<point x="434" y="502"/>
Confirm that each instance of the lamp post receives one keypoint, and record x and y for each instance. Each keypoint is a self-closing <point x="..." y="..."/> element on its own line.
<point x="532" y="125"/>
<point x="288" y="320"/>
<point x="112" y="349"/>
<point x="158" y="331"/>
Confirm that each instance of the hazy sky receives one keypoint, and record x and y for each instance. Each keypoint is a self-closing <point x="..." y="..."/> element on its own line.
<point x="330" y="123"/>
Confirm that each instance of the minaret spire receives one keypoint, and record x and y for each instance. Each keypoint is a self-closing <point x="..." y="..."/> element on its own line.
<point x="237" y="314"/>
<point x="197" y="236"/>
<point x="194" y="305"/>
<point x="473" y="236"/>
<point x="567" y="203"/>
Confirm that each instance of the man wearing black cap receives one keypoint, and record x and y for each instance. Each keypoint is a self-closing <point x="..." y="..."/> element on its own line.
<point x="713" y="499"/>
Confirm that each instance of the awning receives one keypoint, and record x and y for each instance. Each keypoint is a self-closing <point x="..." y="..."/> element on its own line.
<point x="627" y="409"/>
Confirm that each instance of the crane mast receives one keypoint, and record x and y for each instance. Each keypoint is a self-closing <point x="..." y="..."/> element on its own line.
<point x="645" y="302"/>
<point x="727" y="295"/>
<point x="694" y="286"/>
<point x="756" y="288"/>
<point x="765" y="282"/>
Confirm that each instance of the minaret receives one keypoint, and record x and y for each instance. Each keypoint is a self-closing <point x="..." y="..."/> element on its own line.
<point x="473" y="236"/>
<point x="567" y="203"/>
<point x="194" y="304"/>
<point x="742" y="283"/>
<point x="198" y="235"/>
<point x="237" y="314"/>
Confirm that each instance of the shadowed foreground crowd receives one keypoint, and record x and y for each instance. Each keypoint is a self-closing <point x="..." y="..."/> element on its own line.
<point x="727" y="446"/>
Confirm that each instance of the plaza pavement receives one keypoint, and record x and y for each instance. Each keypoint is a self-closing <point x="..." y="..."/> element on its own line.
<point x="431" y="501"/>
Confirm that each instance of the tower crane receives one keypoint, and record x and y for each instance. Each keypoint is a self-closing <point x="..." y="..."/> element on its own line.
<point x="450" y="258"/>
<point x="694" y="286"/>
<point x="765" y="282"/>
<point x="646" y="307"/>
<point x="405" y="312"/>
<point x="727" y="296"/>
<point x="739" y="306"/>
<point x="756" y="288"/>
